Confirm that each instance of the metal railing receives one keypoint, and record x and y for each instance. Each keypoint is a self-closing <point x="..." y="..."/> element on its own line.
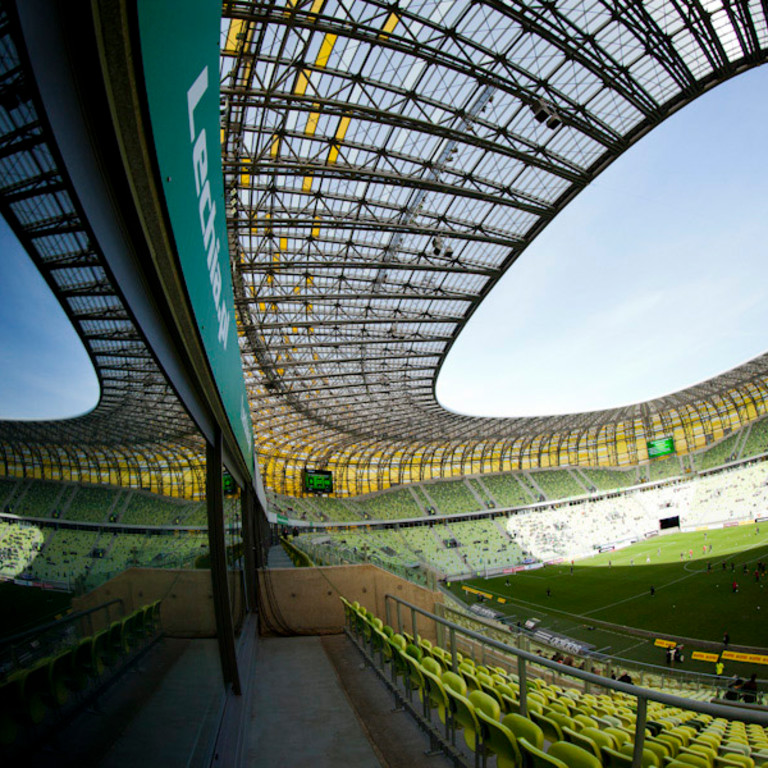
<point x="403" y="616"/>
<point x="25" y="647"/>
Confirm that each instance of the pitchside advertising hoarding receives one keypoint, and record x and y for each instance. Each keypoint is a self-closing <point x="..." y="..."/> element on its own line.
<point x="180" y="57"/>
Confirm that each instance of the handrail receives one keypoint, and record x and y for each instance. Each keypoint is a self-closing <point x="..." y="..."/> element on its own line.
<point x="642" y="695"/>
<point x="58" y="622"/>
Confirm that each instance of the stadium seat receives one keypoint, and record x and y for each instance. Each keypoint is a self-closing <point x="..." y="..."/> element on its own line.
<point x="573" y="756"/>
<point x="33" y="685"/>
<point x="523" y="728"/>
<point x="499" y="741"/>
<point x="533" y="757"/>
<point x="414" y="651"/>
<point x="734" y="759"/>
<point x="463" y="716"/>
<point x="692" y="759"/>
<point x="612" y="758"/>
<point x="619" y="735"/>
<point x="650" y="758"/>
<point x="583" y="741"/>
<point x="488" y="705"/>
<point x="705" y="751"/>
<point x="561" y="719"/>
<point x="415" y="679"/>
<point x="87" y="663"/>
<point x="60" y="673"/>
<point x="550" y="729"/>
<point x="438" y="698"/>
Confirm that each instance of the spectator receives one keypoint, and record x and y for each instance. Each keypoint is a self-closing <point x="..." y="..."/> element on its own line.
<point x="734" y="686"/>
<point x="719" y="667"/>
<point x="749" y="690"/>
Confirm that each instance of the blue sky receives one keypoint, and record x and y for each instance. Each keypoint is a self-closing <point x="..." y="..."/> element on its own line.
<point x="46" y="373"/>
<point x="651" y="281"/>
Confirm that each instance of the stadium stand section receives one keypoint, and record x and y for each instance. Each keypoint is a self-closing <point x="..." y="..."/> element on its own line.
<point x="610" y="479"/>
<point x="19" y="546"/>
<point x="721" y="453"/>
<point x="756" y="443"/>
<point x="393" y="504"/>
<point x="451" y="497"/>
<point x="558" y="484"/>
<point x="507" y="490"/>
<point x="91" y="504"/>
<point x="664" y="469"/>
<point x="37" y="498"/>
<point x="151" y="510"/>
<point x="480" y="492"/>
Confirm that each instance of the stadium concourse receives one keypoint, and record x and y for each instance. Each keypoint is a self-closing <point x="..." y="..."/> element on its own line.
<point x="268" y="223"/>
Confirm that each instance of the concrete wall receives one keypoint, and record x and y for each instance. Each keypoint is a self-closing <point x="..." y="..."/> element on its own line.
<point x="304" y="599"/>
<point x="187" y="608"/>
<point x="307" y="599"/>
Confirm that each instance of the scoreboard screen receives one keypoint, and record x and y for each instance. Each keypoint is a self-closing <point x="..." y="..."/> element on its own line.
<point x="318" y="481"/>
<point x="662" y="446"/>
<point x="228" y="483"/>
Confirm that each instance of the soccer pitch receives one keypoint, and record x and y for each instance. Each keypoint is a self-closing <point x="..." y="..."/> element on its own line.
<point x="692" y="576"/>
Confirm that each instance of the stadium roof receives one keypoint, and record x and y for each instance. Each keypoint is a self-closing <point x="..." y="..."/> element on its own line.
<point x="388" y="162"/>
<point x="385" y="163"/>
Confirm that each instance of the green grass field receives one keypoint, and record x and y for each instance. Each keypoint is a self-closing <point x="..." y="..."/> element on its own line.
<point x="24" y="607"/>
<point x="689" y="601"/>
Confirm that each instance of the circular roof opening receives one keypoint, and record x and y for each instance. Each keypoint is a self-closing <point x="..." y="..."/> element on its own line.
<point x="649" y="282"/>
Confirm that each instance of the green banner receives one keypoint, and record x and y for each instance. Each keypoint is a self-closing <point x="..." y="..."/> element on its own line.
<point x="180" y="57"/>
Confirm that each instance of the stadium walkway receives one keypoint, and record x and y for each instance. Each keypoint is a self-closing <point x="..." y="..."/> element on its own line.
<point x="307" y="701"/>
<point x="278" y="558"/>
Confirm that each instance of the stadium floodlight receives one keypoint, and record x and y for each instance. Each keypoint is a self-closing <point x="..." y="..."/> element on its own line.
<point x="540" y="111"/>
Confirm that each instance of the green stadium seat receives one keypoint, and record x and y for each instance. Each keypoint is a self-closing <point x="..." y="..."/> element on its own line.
<point x="87" y="663"/>
<point x="584" y="741"/>
<point x="499" y="741"/>
<point x="523" y="728"/>
<point x="550" y="728"/>
<point x="649" y="759"/>
<point x="574" y="756"/>
<point x="695" y="760"/>
<point x="431" y="664"/>
<point x="34" y="685"/>
<point x="414" y="678"/>
<point x="534" y="757"/>
<point x="437" y="698"/>
<point x="612" y="758"/>
<point x="60" y="674"/>
<point x="463" y="716"/>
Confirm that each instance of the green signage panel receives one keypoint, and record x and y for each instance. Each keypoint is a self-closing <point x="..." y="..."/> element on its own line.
<point x="180" y="57"/>
<point x="662" y="446"/>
